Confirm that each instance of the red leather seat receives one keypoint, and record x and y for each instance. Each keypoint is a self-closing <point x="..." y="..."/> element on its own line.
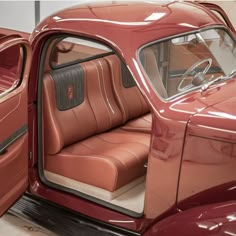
<point x="108" y="160"/>
<point x="135" y="111"/>
<point x="80" y="111"/>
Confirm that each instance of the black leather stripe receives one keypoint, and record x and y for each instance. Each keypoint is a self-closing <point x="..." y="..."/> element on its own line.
<point x="127" y="78"/>
<point x="12" y="138"/>
<point x="69" y="78"/>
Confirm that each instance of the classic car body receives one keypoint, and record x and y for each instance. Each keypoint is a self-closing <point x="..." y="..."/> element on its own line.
<point x="127" y="116"/>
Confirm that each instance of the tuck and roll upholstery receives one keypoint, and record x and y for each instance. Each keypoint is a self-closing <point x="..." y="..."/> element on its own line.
<point x="101" y="136"/>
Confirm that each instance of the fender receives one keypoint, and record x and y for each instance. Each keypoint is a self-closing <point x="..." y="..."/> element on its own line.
<point x="215" y="219"/>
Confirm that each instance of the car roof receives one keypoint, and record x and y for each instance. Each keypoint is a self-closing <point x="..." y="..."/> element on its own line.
<point x="129" y="24"/>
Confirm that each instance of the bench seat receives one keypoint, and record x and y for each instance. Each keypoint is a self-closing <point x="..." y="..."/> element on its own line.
<point x="83" y="117"/>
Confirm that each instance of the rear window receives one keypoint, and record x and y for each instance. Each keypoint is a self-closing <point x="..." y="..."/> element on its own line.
<point x="72" y="50"/>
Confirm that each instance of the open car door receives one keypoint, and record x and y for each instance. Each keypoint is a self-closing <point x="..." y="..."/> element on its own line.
<point x="15" y="58"/>
<point x="220" y="13"/>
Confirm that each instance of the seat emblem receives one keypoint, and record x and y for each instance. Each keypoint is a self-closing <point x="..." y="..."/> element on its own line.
<point x="70" y="92"/>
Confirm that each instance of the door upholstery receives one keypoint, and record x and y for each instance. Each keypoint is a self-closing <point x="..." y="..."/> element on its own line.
<point x="13" y="123"/>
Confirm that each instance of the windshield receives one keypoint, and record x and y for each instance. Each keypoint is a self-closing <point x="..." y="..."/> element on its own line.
<point x="182" y="64"/>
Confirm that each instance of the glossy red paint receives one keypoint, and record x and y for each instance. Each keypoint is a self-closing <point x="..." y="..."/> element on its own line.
<point x="175" y="122"/>
<point x="4" y="32"/>
<point x="169" y="119"/>
<point x="216" y="219"/>
<point x="109" y="22"/>
<point x="111" y="25"/>
<point x="212" y="132"/>
<point x="167" y="142"/>
<point x="221" y="193"/>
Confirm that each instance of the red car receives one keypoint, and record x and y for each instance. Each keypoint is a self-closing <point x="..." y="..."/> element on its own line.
<point x="120" y="119"/>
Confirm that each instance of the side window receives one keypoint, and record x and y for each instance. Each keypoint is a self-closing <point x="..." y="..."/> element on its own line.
<point x="72" y="50"/>
<point x="11" y="63"/>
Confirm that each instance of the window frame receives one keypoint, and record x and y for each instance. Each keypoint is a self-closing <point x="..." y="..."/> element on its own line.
<point x="62" y="37"/>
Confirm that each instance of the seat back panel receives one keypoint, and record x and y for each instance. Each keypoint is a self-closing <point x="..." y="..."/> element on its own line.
<point x="69" y="87"/>
<point x="78" y="103"/>
<point x="129" y="97"/>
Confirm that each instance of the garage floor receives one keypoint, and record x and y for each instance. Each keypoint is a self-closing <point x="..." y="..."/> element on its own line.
<point x="12" y="225"/>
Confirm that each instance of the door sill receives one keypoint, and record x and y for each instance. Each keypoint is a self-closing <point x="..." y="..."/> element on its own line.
<point x="62" y="221"/>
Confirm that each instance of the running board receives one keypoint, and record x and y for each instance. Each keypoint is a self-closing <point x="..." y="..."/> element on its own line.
<point x="61" y="221"/>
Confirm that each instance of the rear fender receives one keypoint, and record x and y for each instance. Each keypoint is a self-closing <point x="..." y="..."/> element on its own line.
<point x="215" y="219"/>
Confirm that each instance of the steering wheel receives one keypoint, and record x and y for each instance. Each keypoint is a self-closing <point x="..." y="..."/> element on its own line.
<point x="190" y="71"/>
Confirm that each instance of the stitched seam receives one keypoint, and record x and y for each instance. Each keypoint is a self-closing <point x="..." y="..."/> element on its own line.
<point x="142" y="107"/>
<point x="115" y="90"/>
<point x="106" y="97"/>
<point x="100" y="87"/>
<point x="122" y="142"/>
<point x="89" y="100"/>
<point x="146" y="119"/>
<point x="83" y="144"/>
<point x="130" y="152"/>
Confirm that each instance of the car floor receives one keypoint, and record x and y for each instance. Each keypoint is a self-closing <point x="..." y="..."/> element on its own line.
<point x="130" y="197"/>
<point x="13" y="225"/>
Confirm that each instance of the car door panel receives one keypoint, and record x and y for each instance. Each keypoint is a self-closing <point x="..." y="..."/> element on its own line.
<point x="13" y="121"/>
<point x="13" y="161"/>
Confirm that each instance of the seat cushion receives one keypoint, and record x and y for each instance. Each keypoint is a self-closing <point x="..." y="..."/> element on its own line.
<point x="141" y="124"/>
<point x="109" y="160"/>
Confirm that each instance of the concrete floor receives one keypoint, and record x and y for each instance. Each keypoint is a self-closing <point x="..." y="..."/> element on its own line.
<point x="14" y="226"/>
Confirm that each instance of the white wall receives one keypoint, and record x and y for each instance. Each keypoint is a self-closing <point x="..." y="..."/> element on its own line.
<point x="230" y="8"/>
<point x="18" y="15"/>
<point x="49" y="7"/>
